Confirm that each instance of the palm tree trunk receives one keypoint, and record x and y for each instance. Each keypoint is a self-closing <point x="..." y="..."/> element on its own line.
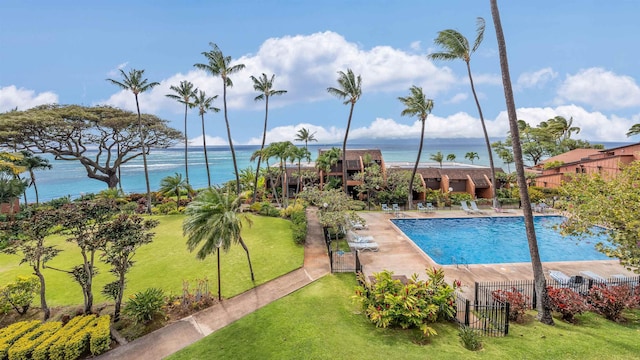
<point x="206" y="158"/>
<point x="543" y="304"/>
<point x="264" y="138"/>
<point x="219" y="288"/>
<point x="226" y="120"/>
<point x="144" y="157"/>
<point x="186" y="145"/>
<point x="415" y="167"/>
<point x="344" y="150"/>
<point x="486" y="139"/>
<point x="244" y="246"/>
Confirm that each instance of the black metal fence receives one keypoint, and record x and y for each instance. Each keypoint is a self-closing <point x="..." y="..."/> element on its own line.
<point x="342" y="261"/>
<point x="490" y="319"/>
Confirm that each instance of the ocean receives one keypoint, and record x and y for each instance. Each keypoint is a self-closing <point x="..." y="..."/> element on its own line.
<point x="70" y="177"/>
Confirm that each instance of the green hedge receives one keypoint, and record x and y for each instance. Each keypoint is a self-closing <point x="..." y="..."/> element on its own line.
<point x="12" y="333"/>
<point x="23" y="347"/>
<point x="71" y="339"/>
<point x="100" y="335"/>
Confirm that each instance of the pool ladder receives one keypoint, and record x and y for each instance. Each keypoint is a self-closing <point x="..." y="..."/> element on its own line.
<point x="462" y="262"/>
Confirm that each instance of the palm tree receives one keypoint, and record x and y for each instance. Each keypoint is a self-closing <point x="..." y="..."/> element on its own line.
<point x="305" y="135"/>
<point x="174" y="185"/>
<point x="219" y="65"/>
<point x="213" y="221"/>
<point x="471" y="155"/>
<point x="543" y="305"/>
<point x="417" y="104"/>
<point x="437" y="157"/>
<point x="350" y="89"/>
<point x="183" y="95"/>
<point x="296" y="154"/>
<point x="456" y="46"/>
<point x="204" y="103"/>
<point x="451" y="157"/>
<point x="634" y="130"/>
<point x="263" y="85"/>
<point x="137" y="85"/>
<point x="562" y="127"/>
<point x="327" y="159"/>
<point x="31" y="163"/>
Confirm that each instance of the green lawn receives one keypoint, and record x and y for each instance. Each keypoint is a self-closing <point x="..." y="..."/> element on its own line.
<point x="166" y="262"/>
<point x="320" y="322"/>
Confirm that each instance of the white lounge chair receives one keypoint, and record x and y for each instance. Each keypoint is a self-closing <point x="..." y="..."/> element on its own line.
<point x="565" y="280"/>
<point x="371" y="246"/>
<point x="421" y="208"/>
<point x="465" y="207"/>
<point x="430" y="207"/>
<point x="356" y="225"/>
<point x="474" y="207"/>
<point x="395" y="207"/>
<point x="353" y="237"/>
<point x="593" y="276"/>
<point x="386" y="208"/>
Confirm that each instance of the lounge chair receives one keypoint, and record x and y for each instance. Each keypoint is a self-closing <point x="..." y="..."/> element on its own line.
<point x="356" y="225"/>
<point x="560" y="277"/>
<point x="463" y="204"/>
<point x="503" y="210"/>
<point x="386" y="208"/>
<point x="395" y="207"/>
<point x="430" y="207"/>
<point x="421" y="208"/>
<point x="474" y="207"/>
<point x="371" y="246"/>
<point x="593" y="276"/>
<point x="353" y="237"/>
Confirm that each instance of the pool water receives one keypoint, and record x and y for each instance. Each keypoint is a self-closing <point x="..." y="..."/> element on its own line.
<point x="494" y="240"/>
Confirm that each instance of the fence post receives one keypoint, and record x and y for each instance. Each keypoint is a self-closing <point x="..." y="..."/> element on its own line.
<point x="331" y="259"/>
<point x="476" y="294"/>
<point x="535" y="297"/>
<point x="358" y="265"/>
<point x="506" y="319"/>
<point x="466" y="311"/>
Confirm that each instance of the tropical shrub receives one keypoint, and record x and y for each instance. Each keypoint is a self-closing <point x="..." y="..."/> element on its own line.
<point x="610" y="301"/>
<point x="299" y="226"/>
<point x="470" y="338"/>
<point x="295" y="207"/>
<point x="69" y="342"/>
<point x="100" y="338"/>
<point x="567" y="302"/>
<point x="457" y="197"/>
<point x="19" y="295"/>
<point x="145" y="305"/>
<point x="12" y="333"/>
<point x="23" y="347"/>
<point x="389" y="302"/>
<point x="517" y="302"/>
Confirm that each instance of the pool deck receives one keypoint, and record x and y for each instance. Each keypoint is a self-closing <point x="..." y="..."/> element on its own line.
<point x="400" y="255"/>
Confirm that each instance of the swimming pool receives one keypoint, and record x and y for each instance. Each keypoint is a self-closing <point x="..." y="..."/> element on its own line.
<point x="494" y="240"/>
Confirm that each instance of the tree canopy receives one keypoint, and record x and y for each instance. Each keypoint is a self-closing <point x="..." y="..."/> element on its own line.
<point x="101" y="138"/>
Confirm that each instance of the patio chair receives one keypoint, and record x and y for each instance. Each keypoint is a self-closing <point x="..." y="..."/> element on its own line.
<point x="463" y="204"/>
<point x="564" y="279"/>
<point x="395" y="207"/>
<point x="353" y="237"/>
<point x="593" y="276"/>
<point x="363" y="246"/>
<point x="386" y="208"/>
<point x="474" y="207"/>
<point x="356" y="225"/>
<point x="421" y="208"/>
<point x="430" y="207"/>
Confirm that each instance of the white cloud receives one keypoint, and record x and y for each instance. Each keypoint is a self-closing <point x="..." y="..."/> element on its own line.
<point x="116" y="72"/>
<point x="415" y="45"/>
<point x="287" y="133"/>
<point x="457" y="98"/>
<point x="600" y="89"/>
<point x="211" y="141"/>
<point x="536" y="78"/>
<point x="12" y="97"/>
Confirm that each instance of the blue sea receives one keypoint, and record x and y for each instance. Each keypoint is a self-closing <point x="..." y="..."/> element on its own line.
<point x="70" y="177"/>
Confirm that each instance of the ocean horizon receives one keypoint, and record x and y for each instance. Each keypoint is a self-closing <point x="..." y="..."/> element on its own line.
<point x="69" y="178"/>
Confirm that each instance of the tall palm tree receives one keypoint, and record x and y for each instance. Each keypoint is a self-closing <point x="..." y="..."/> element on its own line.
<point x="183" y="95"/>
<point x="416" y="104"/>
<point x="137" y="85"/>
<point x="451" y="157"/>
<point x="305" y="135"/>
<point x="349" y="89"/>
<point x="220" y="65"/>
<point x="543" y="305"/>
<point x="264" y="85"/>
<point x="204" y="103"/>
<point x="296" y="155"/>
<point x="174" y="185"/>
<point x="437" y="157"/>
<point x="471" y="155"/>
<point x="213" y="221"/>
<point x="31" y="163"/>
<point x="455" y="47"/>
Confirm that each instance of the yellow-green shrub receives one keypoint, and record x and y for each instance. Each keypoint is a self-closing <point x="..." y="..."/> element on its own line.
<point x="55" y="347"/>
<point x="13" y="332"/>
<point x="100" y="335"/>
<point x="22" y="348"/>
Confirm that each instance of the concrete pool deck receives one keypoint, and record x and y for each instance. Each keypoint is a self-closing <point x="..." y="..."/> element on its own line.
<point x="400" y="255"/>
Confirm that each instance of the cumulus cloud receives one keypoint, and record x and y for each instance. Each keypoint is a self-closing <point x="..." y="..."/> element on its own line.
<point x="536" y="78"/>
<point x="457" y="98"/>
<point x="600" y="89"/>
<point x="12" y="97"/>
<point x="287" y="133"/>
<point x="415" y="45"/>
<point x="116" y="72"/>
<point x="211" y="141"/>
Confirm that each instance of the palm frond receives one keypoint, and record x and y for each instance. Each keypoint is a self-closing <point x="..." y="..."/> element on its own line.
<point x="480" y="25"/>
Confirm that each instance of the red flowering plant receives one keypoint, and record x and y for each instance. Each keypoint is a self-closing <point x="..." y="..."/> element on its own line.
<point x="517" y="302"/>
<point x="610" y="301"/>
<point x="567" y="302"/>
<point x="416" y="304"/>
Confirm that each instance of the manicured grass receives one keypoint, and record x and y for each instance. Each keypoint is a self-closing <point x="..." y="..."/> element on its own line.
<point x="166" y="262"/>
<point x="320" y="322"/>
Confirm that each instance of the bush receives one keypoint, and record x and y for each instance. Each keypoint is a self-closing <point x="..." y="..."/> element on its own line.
<point x="295" y="207"/>
<point x="100" y="340"/>
<point x="20" y="294"/>
<point x="145" y="305"/>
<point x="388" y="302"/>
<point x="12" y="333"/>
<point x="69" y="342"/>
<point x="610" y="301"/>
<point x="299" y="226"/>
<point x="470" y="338"/>
<point x="23" y="347"/>
<point x="517" y="302"/>
<point x="567" y="302"/>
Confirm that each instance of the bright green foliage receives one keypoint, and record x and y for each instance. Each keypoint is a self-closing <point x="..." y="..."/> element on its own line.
<point x="69" y="341"/>
<point x="13" y="332"/>
<point x="18" y="295"/>
<point x="22" y="348"/>
<point x="469" y="338"/>
<point x="100" y="335"/>
<point x="388" y="302"/>
<point x="145" y="305"/>
<point x="613" y="203"/>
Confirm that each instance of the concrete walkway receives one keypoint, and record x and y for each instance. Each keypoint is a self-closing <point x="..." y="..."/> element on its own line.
<point x="173" y="337"/>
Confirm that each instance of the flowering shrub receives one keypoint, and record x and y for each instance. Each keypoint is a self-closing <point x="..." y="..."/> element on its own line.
<point x="567" y="302"/>
<point x="610" y="301"/>
<point x="517" y="302"/>
<point x="389" y="302"/>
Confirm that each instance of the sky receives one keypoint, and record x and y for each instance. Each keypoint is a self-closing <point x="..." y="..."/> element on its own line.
<point x="567" y="58"/>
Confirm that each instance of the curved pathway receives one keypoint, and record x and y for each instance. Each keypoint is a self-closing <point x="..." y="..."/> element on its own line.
<point x="177" y="335"/>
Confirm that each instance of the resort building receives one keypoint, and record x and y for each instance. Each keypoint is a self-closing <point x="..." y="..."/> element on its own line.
<point x="554" y="170"/>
